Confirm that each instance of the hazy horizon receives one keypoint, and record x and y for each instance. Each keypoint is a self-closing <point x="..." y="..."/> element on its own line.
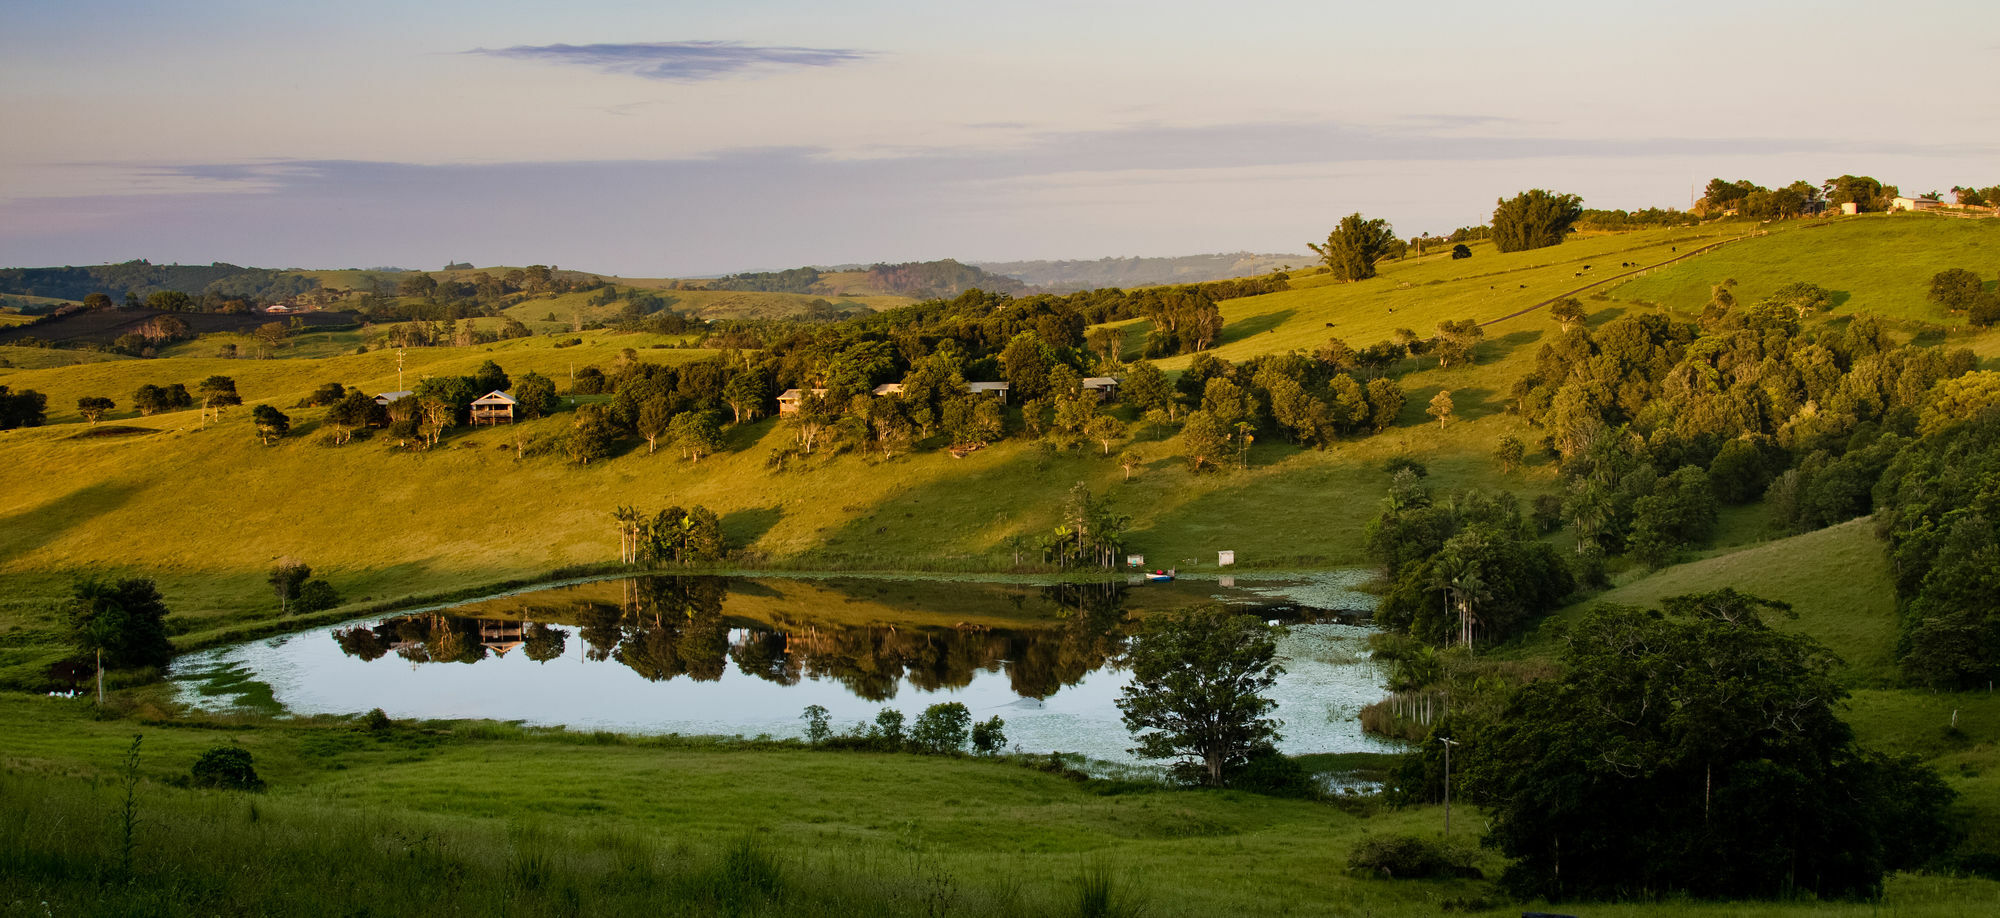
<point x="716" y="138"/>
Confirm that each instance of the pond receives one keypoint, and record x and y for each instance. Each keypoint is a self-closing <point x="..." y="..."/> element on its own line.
<point x="746" y="655"/>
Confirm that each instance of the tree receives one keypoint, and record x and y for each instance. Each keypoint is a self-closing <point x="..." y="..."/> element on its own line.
<point x="93" y="407"/>
<point x="989" y="736"/>
<point x="1385" y="403"/>
<point x="1697" y="751"/>
<point x="655" y="416"/>
<point x="1568" y="313"/>
<point x="1104" y="428"/>
<point x="489" y="378"/>
<point x="1197" y="691"/>
<point x="1354" y="246"/>
<point x="1534" y="219"/>
<point x="272" y="424"/>
<point x="1510" y="453"/>
<point x="1203" y="438"/>
<point x="1441" y="407"/>
<point x="217" y="393"/>
<point x="745" y="394"/>
<point x="1956" y="289"/>
<point x="535" y="396"/>
<point x="1147" y="389"/>
<point x="593" y="434"/>
<point x="286" y="579"/>
<point x="941" y="729"/>
<point x="353" y="412"/>
<point x="271" y="335"/>
<point x="696" y="433"/>
<point x="327" y="395"/>
<point x="1459" y="251"/>
<point x="1130" y="459"/>
<point x="125" y="621"/>
<point x="1456" y="341"/>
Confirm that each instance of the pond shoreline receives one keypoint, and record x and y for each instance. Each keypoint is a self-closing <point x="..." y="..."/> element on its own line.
<point x="579" y="575"/>
<point x="853" y="642"/>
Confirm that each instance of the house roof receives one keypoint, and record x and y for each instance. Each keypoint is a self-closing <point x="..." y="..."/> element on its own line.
<point x="394" y="396"/>
<point x="889" y="388"/>
<point x="790" y="395"/>
<point x="495" y="397"/>
<point x="986" y="387"/>
<point x="1099" y="382"/>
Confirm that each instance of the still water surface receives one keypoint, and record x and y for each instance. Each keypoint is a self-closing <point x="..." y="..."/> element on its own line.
<point x="744" y="656"/>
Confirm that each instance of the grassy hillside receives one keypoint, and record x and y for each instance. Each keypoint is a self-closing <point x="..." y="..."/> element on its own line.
<point x="1879" y="263"/>
<point x="458" y="813"/>
<point x="384" y="523"/>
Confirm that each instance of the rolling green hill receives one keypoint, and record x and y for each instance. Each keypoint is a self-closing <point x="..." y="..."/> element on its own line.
<point x="1880" y="264"/>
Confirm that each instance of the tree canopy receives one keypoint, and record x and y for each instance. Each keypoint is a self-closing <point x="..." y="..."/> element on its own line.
<point x="1534" y="219"/>
<point x="1696" y="750"/>
<point x="1197" y="692"/>
<point x="1355" y="245"/>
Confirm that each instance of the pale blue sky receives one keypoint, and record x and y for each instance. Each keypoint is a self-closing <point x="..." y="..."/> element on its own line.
<point x="688" y="138"/>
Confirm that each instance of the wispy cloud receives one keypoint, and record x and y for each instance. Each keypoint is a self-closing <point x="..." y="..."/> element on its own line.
<point x="680" y="61"/>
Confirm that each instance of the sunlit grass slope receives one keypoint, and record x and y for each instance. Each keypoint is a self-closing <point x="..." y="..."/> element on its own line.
<point x="1879" y="263"/>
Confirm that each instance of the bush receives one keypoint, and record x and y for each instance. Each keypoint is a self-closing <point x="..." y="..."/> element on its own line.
<point x="1273" y="774"/>
<point x="316" y="596"/>
<point x="941" y="729"/>
<point x="1407" y="857"/>
<point x="989" y="736"/>
<point x="226" y="767"/>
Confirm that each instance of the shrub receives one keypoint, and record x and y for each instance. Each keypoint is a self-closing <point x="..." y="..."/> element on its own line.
<point x="941" y="729"/>
<point x="316" y="596"/>
<point x="989" y="736"/>
<point x="1273" y="774"/>
<point x="1407" y="857"/>
<point x="226" y="767"/>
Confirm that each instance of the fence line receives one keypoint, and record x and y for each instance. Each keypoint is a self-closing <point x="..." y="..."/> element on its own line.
<point x="1641" y="272"/>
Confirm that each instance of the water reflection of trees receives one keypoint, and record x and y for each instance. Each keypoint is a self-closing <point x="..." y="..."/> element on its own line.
<point x="671" y="626"/>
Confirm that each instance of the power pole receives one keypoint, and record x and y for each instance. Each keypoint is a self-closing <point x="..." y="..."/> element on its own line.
<point x="100" y="677"/>
<point x="399" y="369"/>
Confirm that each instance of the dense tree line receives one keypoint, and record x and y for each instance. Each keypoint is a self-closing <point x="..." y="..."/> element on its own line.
<point x="1940" y="513"/>
<point x="1691" y="751"/>
<point x="1762" y="403"/>
<point x="1749" y="199"/>
<point x="1468" y="569"/>
<point x="206" y="288"/>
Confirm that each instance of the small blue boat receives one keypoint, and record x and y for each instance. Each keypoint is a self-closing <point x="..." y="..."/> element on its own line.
<point x="1159" y="576"/>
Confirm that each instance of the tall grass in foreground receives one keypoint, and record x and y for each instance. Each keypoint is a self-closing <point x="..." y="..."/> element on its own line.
<point x="62" y="851"/>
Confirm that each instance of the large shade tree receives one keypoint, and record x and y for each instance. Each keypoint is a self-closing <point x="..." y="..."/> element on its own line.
<point x="1355" y="245"/>
<point x="1197" y="692"/>
<point x="1534" y="219"/>
<point x="1698" y="751"/>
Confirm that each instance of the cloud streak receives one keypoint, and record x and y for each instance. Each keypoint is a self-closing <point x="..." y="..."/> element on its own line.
<point x="680" y="61"/>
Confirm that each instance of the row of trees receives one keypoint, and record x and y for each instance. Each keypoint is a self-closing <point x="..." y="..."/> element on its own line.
<point x="1530" y="220"/>
<point x="676" y="535"/>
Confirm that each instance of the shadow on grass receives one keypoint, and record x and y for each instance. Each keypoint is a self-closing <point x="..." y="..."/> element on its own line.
<point x="1255" y="325"/>
<point x="29" y="529"/>
<point x="747" y="527"/>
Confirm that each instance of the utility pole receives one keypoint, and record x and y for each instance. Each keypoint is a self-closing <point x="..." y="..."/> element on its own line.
<point x="1448" y="743"/>
<point x="100" y="677"/>
<point x="399" y="369"/>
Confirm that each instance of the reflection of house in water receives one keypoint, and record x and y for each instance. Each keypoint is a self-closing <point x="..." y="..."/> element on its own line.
<point x="499" y="635"/>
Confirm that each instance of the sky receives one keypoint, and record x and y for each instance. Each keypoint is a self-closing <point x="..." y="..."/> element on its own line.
<point x="689" y="138"/>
